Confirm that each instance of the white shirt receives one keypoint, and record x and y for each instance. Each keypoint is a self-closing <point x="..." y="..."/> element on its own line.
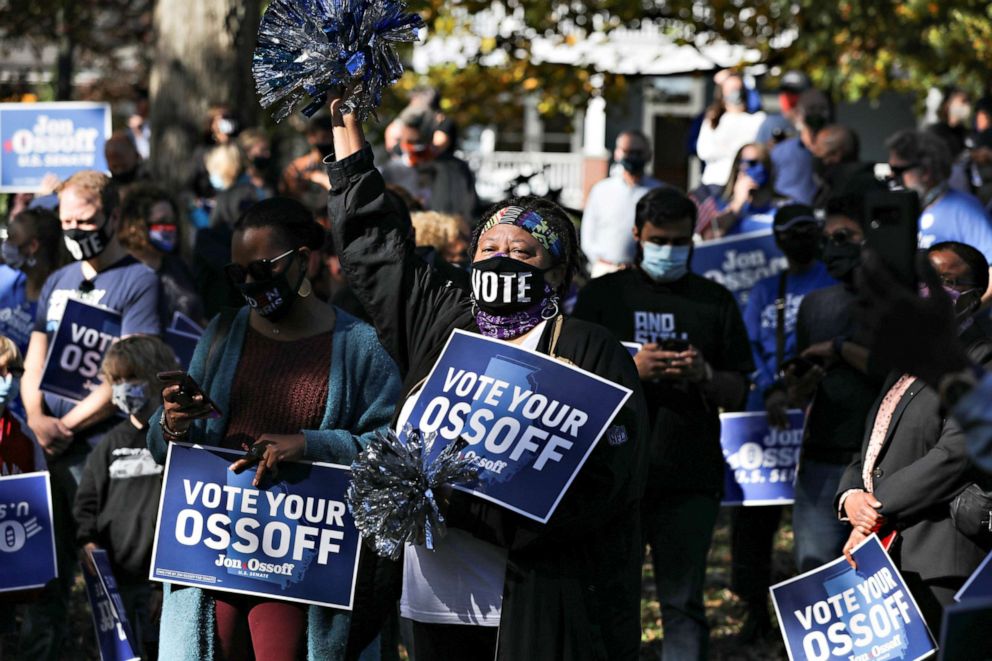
<point x="461" y="581"/>
<point x="609" y="218"/>
<point x="718" y="147"/>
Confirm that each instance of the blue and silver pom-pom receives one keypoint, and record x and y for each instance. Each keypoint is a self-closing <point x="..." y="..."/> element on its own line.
<point x="394" y="487"/>
<point x="307" y="47"/>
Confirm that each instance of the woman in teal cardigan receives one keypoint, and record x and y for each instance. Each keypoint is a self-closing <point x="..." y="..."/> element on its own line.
<point x="297" y="379"/>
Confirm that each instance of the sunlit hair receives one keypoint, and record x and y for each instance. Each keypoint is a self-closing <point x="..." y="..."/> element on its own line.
<point x="95" y="184"/>
<point x="138" y="357"/>
<point x="10" y="355"/>
<point x="437" y="230"/>
<point x="226" y="161"/>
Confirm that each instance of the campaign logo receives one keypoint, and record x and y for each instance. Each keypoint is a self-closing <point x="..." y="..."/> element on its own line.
<point x="739" y="262"/>
<point x="27" y="539"/>
<point x="760" y="460"/>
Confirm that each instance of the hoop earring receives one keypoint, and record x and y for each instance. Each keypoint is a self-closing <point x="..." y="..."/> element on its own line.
<point x="305" y="289"/>
<point x="550" y="311"/>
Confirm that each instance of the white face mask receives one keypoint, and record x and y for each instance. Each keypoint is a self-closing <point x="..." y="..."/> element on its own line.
<point x="130" y="397"/>
<point x="10" y="386"/>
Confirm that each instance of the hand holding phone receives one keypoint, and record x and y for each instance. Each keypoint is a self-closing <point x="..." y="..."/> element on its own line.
<point x="184" y="401"/>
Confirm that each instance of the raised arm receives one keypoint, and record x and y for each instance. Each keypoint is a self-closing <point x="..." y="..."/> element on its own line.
<point x="407" y="300"/>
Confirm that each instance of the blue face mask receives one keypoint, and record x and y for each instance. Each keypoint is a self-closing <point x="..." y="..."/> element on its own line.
<point x="759" y="173"/>
<point x="217" y="182"/>
<point x="665" y="263"/>
<point x="10" y="386"/>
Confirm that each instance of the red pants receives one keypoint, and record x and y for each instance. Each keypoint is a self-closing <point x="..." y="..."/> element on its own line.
<point x="273" y="629"/>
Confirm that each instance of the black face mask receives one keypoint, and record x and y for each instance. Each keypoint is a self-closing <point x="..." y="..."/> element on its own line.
<point x="325" y="148"/>
<point x="261" y="163"/>
<point x="272" y="299"/>
<point x="820" y="169"/>
<point x="502" y="285"/>
<point x="841" y="259"/>
<point x="801" y="251"/>
<point x="87" y="244"/>
<point x="634" y="164"/>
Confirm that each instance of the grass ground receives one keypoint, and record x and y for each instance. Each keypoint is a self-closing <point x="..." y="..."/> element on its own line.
<point x="725" y="611"/>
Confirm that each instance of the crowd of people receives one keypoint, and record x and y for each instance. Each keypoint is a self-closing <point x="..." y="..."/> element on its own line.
<point x="328" y="290"/>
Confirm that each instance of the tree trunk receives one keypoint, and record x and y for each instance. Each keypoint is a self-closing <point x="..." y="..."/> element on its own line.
<point x="203" y="51"/>
<point x="64" y="61"/>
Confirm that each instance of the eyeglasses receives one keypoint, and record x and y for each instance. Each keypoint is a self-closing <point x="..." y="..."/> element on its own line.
<point x="899" y="170"/>
<point x="260" y="270"/>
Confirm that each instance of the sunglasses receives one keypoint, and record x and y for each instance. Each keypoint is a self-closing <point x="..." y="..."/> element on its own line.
<point x="953" y="282"/>
<point x="899" y="170"/>
<point x="260" y="270"/>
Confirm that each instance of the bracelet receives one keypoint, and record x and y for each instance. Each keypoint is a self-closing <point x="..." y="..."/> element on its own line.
<point x="170" y="436"/>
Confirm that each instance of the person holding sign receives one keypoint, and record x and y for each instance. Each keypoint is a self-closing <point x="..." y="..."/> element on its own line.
<point x="293" y="379"/>
<point x="117" y="500"/>
<point x="693" y="361"/>
<point x="569" y="588"/>
<point x="913" y="460"/>
<point x="103" y="275"/>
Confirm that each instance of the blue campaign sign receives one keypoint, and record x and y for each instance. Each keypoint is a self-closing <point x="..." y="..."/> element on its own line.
<point x="184" y="324"/>
<point x="759" y="461"/>
<point x="72" y="369"/>
<point x="979" y="584"/>
<point x="182" y="344"/>
<point x="739" y="262"/>
<point x="293" y="539"/>
<point x="113" y="634"/>
<point x="27" y="537"/>
<point x="530" y="421"/>
<point x="836" y="613"/>
<point x="632" y="347"/>
<point x="964" y="630"/>
<point x="56" y="138"/>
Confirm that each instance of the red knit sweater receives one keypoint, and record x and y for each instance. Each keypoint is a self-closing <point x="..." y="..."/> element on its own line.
<point x="279" y="387"/>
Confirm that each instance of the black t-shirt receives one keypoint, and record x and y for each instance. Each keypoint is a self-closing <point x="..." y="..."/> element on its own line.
<point x="835" y="425"/>
<point x="685" y="437"/>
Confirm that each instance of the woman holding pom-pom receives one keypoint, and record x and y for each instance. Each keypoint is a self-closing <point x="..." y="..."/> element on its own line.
<point x="500" y="585"/>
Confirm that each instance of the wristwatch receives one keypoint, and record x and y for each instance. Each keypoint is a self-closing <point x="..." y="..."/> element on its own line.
<point x="956" y="385"/>
<point x="170" y="436"/>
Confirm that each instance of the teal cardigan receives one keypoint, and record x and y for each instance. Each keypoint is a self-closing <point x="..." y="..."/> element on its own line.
<point x="363" y="387"/>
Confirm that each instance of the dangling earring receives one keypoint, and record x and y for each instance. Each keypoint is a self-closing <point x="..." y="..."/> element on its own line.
<point x="550" y="311"/>
<point x="306" y="288"/>
<point x="31" y="261"/>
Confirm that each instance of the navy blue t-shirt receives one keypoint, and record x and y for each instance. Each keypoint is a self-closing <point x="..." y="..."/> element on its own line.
<point x="17" y="315"/>
<point x="128" y="286"/>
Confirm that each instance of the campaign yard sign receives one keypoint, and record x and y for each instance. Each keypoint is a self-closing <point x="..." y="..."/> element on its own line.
<point x="739" y="262"/>
<point x="864" y="614"/>
<point x="72" y="369"/>
<point x="979" y="584"/>
<point x="57" y="138"/>
<point x="530" y="421"/>
<point x="633" y="348"/>
<point x="964" y="631"/>
<point x="113" y="632"/>
<point x="182" y="337"/>
<point x="291" y="539"/>
<point x="759" y="460"/>
<point x="27" y="537"/>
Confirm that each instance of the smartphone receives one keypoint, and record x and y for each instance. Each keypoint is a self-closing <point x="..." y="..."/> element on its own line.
<point x="188" y="389"/>
<point x="677" y="346"/>
<point x="892" y="232"/>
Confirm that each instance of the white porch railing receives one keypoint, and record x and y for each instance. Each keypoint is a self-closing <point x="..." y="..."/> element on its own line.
<point x="494" y="172"/>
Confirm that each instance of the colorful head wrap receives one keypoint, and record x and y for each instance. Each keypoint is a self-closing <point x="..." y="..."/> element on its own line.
<point x="531" y="221"/>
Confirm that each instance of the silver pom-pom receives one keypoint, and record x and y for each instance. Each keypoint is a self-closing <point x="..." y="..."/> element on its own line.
<point x="307" y="47"/>
<point x="394" y="485"/>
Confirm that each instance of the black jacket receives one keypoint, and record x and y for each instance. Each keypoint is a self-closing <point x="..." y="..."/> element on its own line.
<point x="117" y="501"/>
<point x="922" y="466"/>
<point x="572" y="586"/>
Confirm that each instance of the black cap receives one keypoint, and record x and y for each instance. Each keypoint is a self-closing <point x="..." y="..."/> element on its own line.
<point x="791" y="215"/>
<point x="794" y="81"/>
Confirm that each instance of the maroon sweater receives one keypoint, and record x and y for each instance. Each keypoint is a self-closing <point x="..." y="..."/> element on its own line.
<point x="279" y="387"/>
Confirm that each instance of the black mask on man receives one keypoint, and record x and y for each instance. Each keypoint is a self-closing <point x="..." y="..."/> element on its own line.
<point x="801" y="250"/>
<point x="87" y="244"/>
<point x="841" y="259"/>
